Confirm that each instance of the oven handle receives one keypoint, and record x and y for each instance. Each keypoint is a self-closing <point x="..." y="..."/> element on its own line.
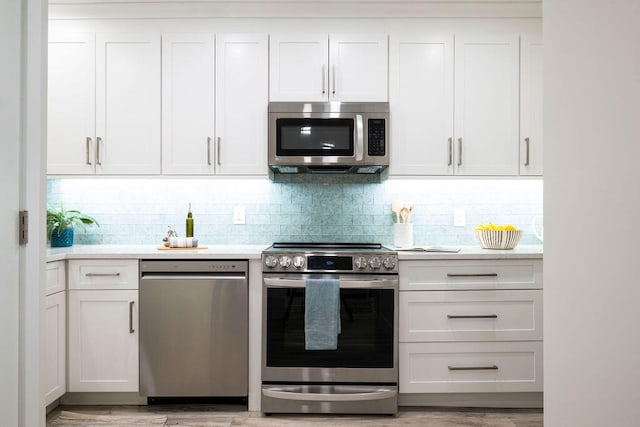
<point x="344" y="284"/>
<point x="377" y="394"/>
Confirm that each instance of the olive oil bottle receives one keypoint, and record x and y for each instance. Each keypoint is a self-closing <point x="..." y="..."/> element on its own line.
<point x="189" y="223"/>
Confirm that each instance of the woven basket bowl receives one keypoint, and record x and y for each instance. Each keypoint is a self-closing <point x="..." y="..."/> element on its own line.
<point x="493" y="239"/>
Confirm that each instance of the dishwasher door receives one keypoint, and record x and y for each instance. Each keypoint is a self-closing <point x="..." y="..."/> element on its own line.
<point x="193" y="334"/>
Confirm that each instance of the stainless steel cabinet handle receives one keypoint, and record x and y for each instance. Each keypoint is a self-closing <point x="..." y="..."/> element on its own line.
<point x="88" y="149"/>
<point x="526" y="158"/>
<point x="98" y="144"/>
<point x="472" y="316"/>
<point x="218" y="151"/>
<point x="102" y="274"/>
<point x="473" y="368"/>
<point x="324" y="79"/>
<point x="131" y="330"/>
<point x="472" y="274"/>
<point x="333" y="71"/>
<point x="450" y="151"/>
<point x="459" y="151"/>
<point x="209" y="150"/>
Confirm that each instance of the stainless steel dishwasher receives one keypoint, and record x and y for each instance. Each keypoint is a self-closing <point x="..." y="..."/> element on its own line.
<point x="193" y="328"/>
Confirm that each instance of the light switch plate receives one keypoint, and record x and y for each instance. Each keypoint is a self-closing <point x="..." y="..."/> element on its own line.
<point x="238" y="214"/>
<point x="459" y="217"/>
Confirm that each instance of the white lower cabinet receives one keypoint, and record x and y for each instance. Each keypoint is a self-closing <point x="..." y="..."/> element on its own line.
<point x="470" y="326"/>
<point x="55" y="344"/>
<point x="103" y="326"/>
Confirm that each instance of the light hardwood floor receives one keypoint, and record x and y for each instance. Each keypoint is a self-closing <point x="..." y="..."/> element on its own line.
<point x="208" y="415"/>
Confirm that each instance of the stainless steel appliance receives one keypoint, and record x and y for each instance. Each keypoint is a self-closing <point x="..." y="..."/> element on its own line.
<point x="193" y="328"/>
<point x="361" y="374"/>
<point x="330" y="137"/>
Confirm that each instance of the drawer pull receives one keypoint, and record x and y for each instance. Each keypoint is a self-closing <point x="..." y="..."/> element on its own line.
<point x="131" y="330"/>
<point x="102" y="274"/>
<point x="473" y="368"/>
<point x="472" y="316"/>
<point x="472" y="274"/>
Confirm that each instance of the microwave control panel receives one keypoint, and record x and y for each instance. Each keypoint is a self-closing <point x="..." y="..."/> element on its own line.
<point x="376" y="137"/>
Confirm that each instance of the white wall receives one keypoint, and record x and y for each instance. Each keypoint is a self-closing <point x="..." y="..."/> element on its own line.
<point x="591" y="198"/>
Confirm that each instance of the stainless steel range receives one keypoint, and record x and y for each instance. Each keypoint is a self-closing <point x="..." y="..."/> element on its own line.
<point x="329" y="328"/>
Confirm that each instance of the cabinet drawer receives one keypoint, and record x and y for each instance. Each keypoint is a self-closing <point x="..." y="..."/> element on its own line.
<point x="470" y="367"/>
<point x="471" y="274"/>
<point x="470" y="316"/>
<point x="56" y="277"/>
<point x="103" y="274"/>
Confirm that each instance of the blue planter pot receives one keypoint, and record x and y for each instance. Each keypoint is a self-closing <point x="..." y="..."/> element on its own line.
<point x="64" y="239"/>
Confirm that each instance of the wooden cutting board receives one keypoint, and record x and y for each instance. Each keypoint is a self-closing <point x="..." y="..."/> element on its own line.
<point x="164" y="248"/>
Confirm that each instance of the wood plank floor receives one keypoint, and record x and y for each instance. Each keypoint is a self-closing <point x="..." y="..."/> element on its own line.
<point x="208" y="415"/>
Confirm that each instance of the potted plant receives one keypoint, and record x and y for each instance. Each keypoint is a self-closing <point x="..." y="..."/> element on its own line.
<point x="60" y="223"/>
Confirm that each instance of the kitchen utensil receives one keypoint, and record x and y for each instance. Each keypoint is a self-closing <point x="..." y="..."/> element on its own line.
<point x="410" y="212"/>
<point x="404" y="214"/>
<point x="395" y="208"/>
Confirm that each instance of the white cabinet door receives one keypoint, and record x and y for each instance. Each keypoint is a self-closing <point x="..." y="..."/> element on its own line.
<point x="486" y="105"/>
<point x="103" y="340"/>
<point x="531" y="139"/>
<point x="358" y="68"/>
<point x="241" y="104"/>
<point x="299" y="67"/>
<point x="71" y="104"/>
<point x="187" y="104"/>
<point x="317" y="67"/>
<point x="128" y="103"/>
<point x="421" y="103"/>
<point x="55" y="344"/>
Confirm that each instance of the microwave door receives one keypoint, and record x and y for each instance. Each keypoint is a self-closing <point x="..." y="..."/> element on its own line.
<point x="317" y="138"/>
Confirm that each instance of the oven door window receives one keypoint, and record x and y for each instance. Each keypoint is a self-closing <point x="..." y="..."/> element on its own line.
<point x="365" y="340"/>
<point x="314" y="137"/>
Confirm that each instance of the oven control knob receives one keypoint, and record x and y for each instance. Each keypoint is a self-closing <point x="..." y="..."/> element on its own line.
<point x="361" y="263"/>
<point x="270" y="261"/>
<point x="375" y="262"/>
<point x="389" y="263"/>
<point x="285" y="261"/>
<point x="298" y="261"/>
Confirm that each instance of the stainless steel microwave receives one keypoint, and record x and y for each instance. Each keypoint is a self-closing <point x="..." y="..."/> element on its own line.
<point x="328" y="137"/>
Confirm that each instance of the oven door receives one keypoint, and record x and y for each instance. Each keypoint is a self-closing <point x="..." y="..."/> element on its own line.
<point x="367" y="344"/>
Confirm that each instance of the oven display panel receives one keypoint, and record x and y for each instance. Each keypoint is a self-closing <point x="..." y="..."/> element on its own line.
<point x="323" y="262"/>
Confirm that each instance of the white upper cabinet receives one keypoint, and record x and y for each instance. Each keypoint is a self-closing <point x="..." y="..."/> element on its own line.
<point x="454" y="120"/>
<point x="242" y="96"/>
<point x="214" y="104"/>
<point x="71" y="104"/>
<point x="339" y="67"/>
<point x="486" y="105"/>
<point x="187" y="104"/>
<point x="128" y="103"/>
<point x="421" y="102"/>
<point x="104" y="104"/>
<point x="531" y="141"/>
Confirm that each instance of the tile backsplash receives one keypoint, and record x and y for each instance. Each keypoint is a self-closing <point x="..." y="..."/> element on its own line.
<point x="318" y="208"/>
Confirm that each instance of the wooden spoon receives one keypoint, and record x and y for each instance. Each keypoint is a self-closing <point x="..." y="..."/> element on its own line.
<point x="404" y="214"/>
<point x="410" y="212"/>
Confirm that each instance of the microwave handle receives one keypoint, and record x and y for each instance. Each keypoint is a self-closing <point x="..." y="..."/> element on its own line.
<point x="359" y="137"/>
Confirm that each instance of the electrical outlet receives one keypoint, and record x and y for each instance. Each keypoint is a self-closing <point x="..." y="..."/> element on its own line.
<point x="238" y="214"/>
<point x="459" y="219"/>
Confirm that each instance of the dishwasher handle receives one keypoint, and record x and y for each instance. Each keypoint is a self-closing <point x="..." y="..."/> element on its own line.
<point x="182" y="276"/>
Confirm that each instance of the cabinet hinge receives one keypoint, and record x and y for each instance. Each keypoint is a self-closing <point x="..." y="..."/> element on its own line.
<point x="23" y="238"/>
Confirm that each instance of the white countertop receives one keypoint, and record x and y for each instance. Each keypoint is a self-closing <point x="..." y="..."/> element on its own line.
<point x="254" y="252"/>
<point x="476" y="252"/>
<point x="152" y="251"/>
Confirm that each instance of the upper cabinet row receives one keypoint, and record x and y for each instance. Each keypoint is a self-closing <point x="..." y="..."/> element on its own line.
<point x="193" y="104"/>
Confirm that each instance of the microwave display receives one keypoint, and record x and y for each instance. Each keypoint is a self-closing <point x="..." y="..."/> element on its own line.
<point x="314" y="137"/>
